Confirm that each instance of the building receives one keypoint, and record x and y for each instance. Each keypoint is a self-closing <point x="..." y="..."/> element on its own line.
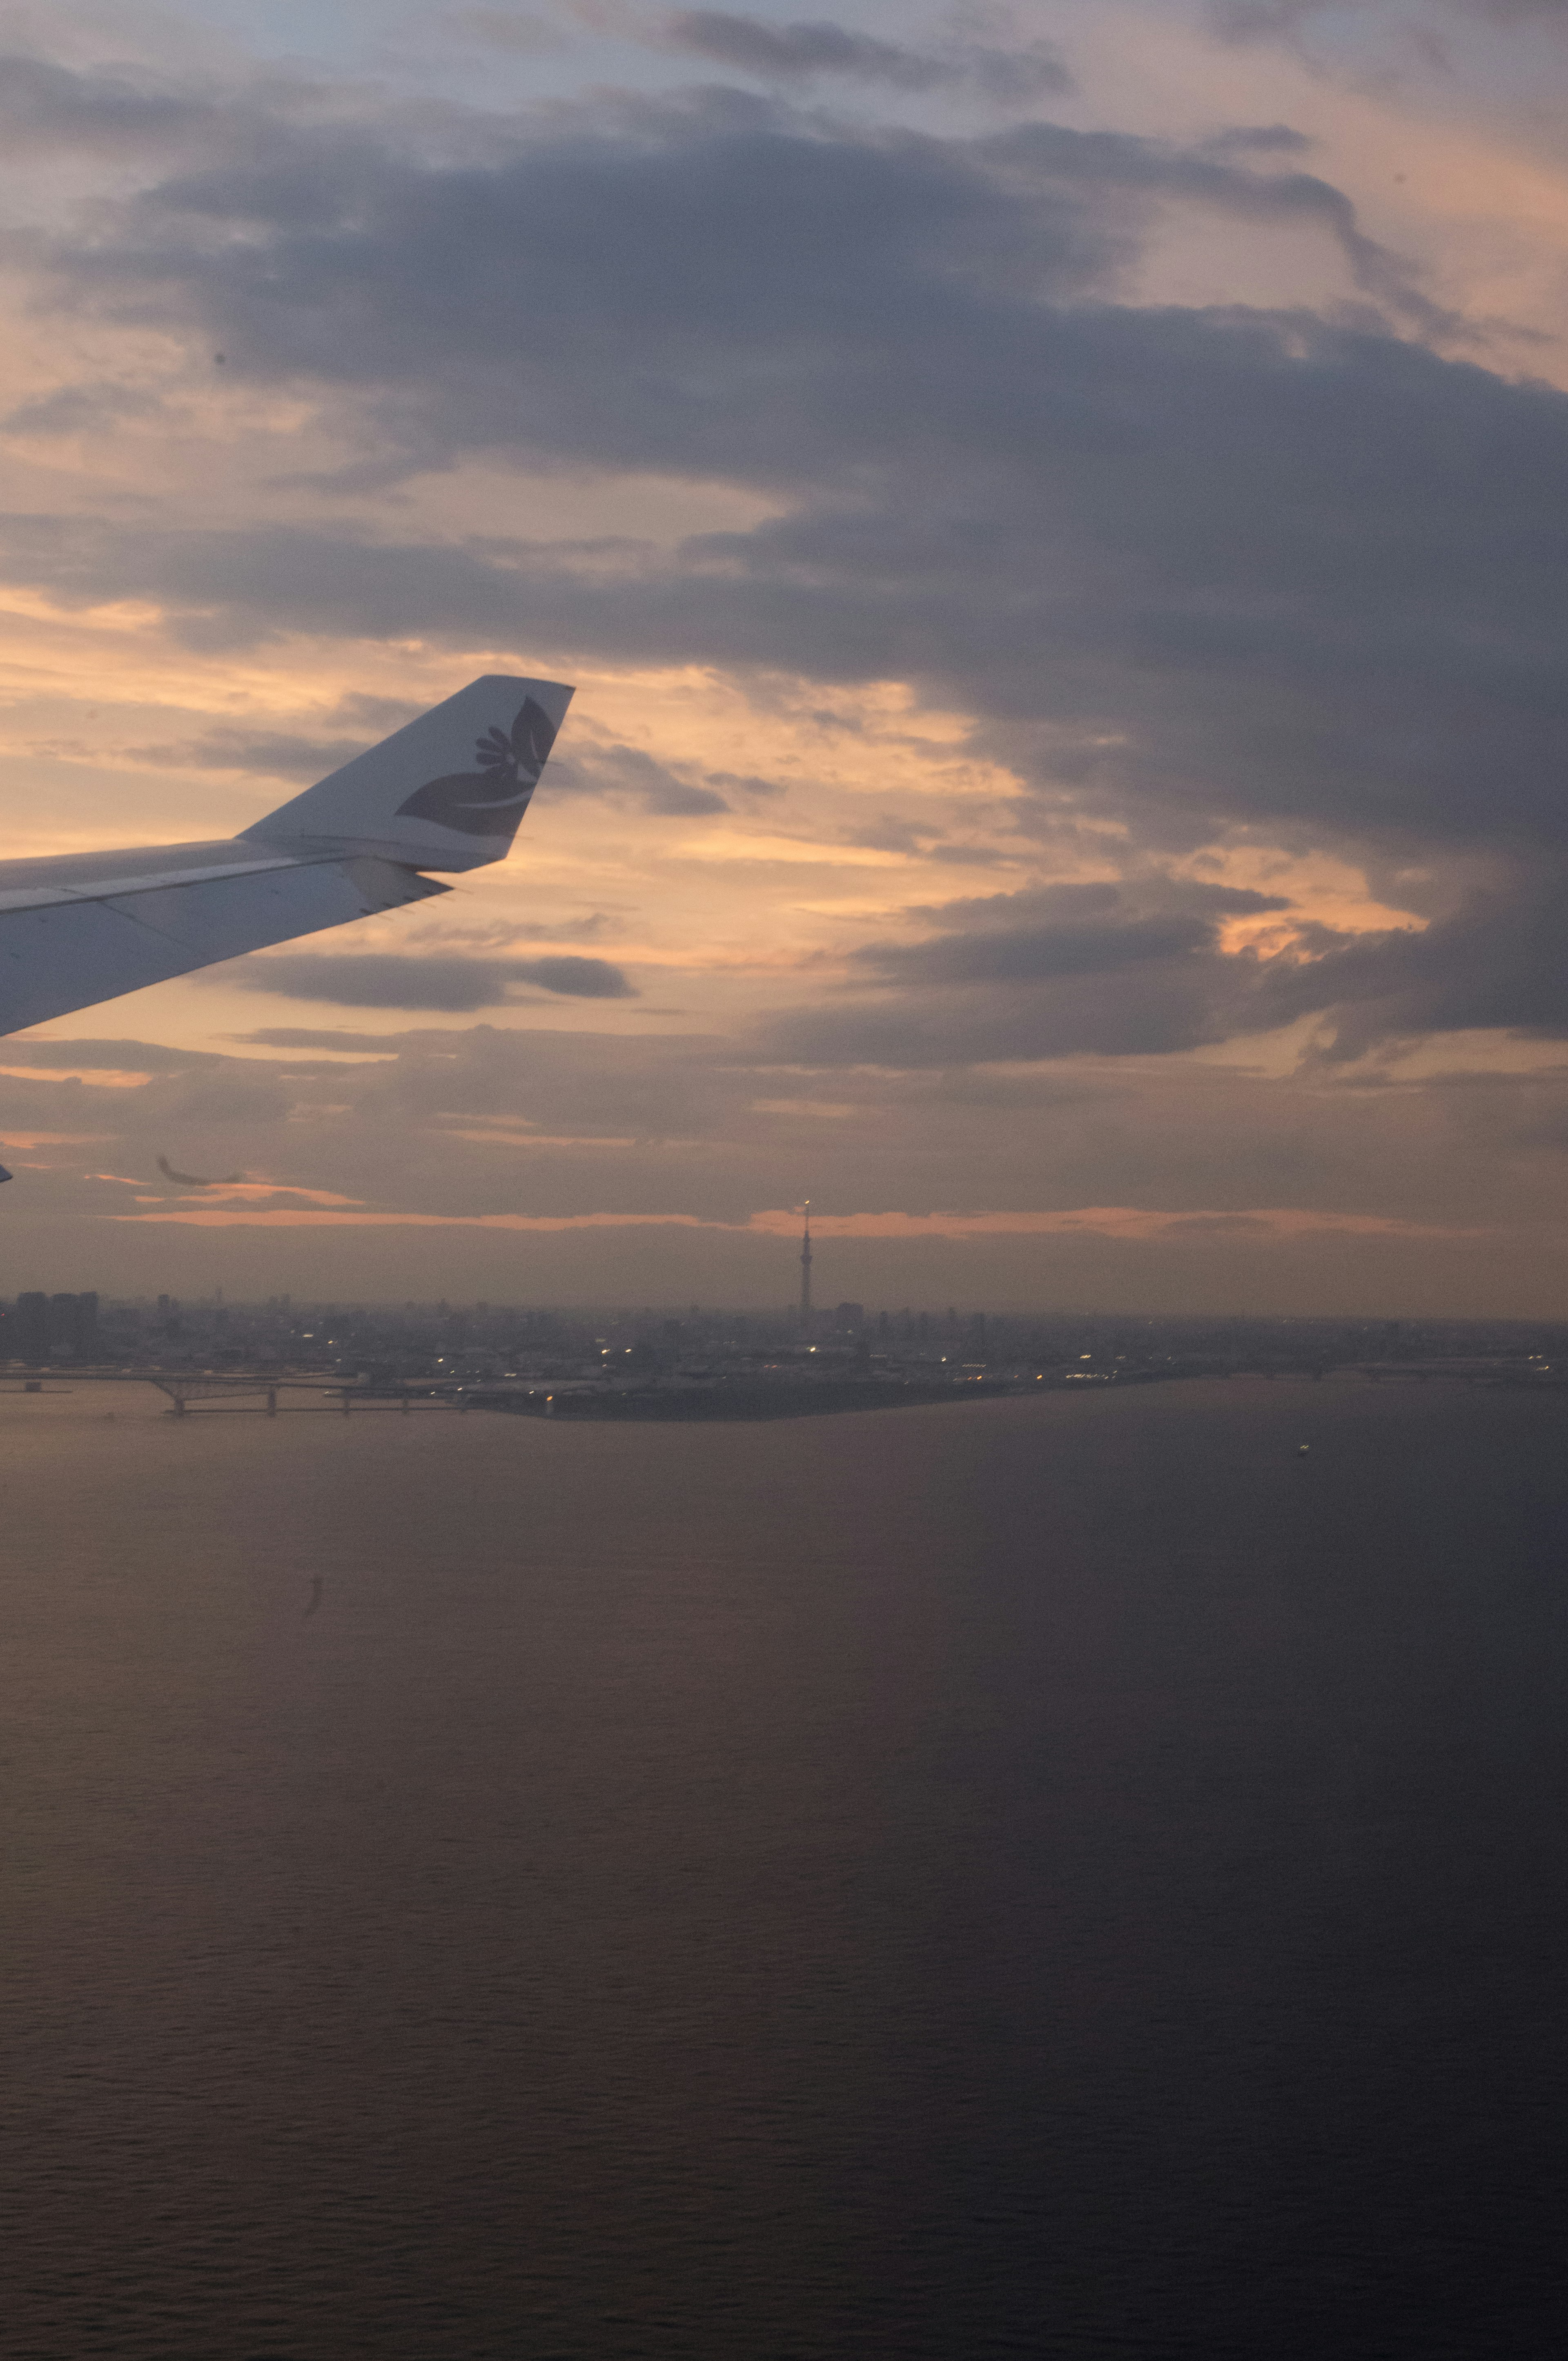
<point x="30" y="1341"/>
<point x="52" y="1328"/>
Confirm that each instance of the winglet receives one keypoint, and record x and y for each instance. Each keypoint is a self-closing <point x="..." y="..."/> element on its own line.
<point x="444" y="792"/>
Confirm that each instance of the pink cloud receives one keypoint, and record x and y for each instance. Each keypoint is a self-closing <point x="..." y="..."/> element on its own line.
<point x="1129" y="1221"/>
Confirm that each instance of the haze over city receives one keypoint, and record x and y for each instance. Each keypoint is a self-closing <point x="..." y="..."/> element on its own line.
<point x="1055" y="514"/>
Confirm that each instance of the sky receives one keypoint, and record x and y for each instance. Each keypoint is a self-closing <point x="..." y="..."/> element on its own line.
<point x="1058" y="517"/>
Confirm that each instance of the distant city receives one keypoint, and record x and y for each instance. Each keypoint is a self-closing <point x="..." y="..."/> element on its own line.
<point x="701" y="1362"/>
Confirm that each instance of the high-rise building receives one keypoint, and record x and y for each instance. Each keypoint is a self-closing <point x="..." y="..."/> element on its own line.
<point x="73" y="1333"/>
<point x="806" y="1269"/>
<point x="46" y="1328"/>
<point x="32" y="1329"/>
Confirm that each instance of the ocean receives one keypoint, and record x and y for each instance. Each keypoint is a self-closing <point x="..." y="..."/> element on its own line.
<point x="1062" y="1877"/>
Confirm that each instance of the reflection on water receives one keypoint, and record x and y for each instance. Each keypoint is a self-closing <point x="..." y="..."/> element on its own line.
<point x="1075" y="1877"/>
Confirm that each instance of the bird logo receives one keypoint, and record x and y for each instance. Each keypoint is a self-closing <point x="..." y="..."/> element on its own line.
<point x="490" y="799"/>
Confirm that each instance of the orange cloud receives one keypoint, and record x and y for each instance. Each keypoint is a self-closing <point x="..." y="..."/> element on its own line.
<point x="1100" y="1220"/>
<point x="247" y="1192"/>
<point x="1129" y="1221"/>
<point x="53" y="1139"/>
<point x="110" y="1078"/>
<point x="201" y="1217"/>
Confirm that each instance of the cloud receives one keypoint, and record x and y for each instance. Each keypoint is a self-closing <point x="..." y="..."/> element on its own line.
<point x="406" y="980"/>
<point x="1259" y="140"/>
<point x="1276" y="577"/>
<point x="805" y="51"/>
<point x="1093" y="970"/>
<point x="628" y="772"/>
<point x="704" y="308"/>
<point x="1138" y="1010"/>
<point x="456" y="1143"/>
<point x="302" y="1036"/>
<point x="49" y="108"/>
<point x="1496" y="964"/>
<point x="1127" y="1221"/>
<point x="283" y="754"/>
<point x="789" y="51"/>
<point x="1244" y="20"/>
<point x="1045" y="936"/>
<point x="1036" y="954"/>
<point x="79" y="409"/>
<point x="1050" y="511"/>
<point x="268" y="754"/>
<point x="104" y="1057"/>
<point x="506" y="29"/>
<point x="1069" y="970"/>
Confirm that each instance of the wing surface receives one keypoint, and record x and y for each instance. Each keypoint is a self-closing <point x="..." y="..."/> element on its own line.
<point x="69" y="946"/>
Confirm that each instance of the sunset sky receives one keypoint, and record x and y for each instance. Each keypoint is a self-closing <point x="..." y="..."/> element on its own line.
<point x="1057" y="515"/>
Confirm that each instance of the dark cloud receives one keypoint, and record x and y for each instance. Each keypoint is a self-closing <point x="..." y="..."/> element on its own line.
<point x="1259" y="140"/>
<point x="1039" y="954"/>
<point x="79" y="409"/>
<point x="746" y="783"/>
<point x="1081" y="970"/>
<point x="1066" y="970"/>
<point x="1104" y="902"/>
<point x="279" y="755"/>
<point x="628" y="771"/>
<point x="302" y="1036"/>
<point x="1192" y="572"/>
<point x="1259" y="20"/>
<point x="104" y="1057"/>
<point x="578" y="978"/>
<point x="1497" y="963"/>
<point x="283" y="754"/>
<point x="50" y="108"/>
<point x="704" y="307"/>
<point x="404" y="980"/>
<point x="807" y="50"/>
<point x="1253" y="20"/>
<point x="235" y="1093"/>
<point x="659" y="1089"/>
<point x="1139" y="1009"/>
<point x="792" y="51"/>
<point x="1517" y="12"/>
<point x="507" y="29"/>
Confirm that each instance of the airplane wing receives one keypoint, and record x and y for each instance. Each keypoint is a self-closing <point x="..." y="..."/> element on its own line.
<point x="447" y="793"/>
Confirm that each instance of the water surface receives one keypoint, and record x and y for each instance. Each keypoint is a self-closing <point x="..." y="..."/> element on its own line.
<point x="1071" y="1877"/>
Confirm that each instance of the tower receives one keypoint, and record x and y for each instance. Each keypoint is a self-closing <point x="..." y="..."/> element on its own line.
<point x="806" y="1269"/>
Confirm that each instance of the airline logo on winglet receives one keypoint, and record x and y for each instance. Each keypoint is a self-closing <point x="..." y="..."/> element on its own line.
<point x="491" y="800"/>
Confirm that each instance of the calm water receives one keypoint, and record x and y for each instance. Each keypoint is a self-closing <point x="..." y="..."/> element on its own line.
<point x="1062" y="1877"/>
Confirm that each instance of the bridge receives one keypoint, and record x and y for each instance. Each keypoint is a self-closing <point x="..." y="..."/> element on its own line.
<point x="257" y="1389"/>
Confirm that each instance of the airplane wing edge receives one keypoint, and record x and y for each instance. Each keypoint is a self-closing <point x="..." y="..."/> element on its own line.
<point x="61" y="950"/>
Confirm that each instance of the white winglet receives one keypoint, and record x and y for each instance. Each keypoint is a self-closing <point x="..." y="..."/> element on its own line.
<point x="445" y="792"/>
